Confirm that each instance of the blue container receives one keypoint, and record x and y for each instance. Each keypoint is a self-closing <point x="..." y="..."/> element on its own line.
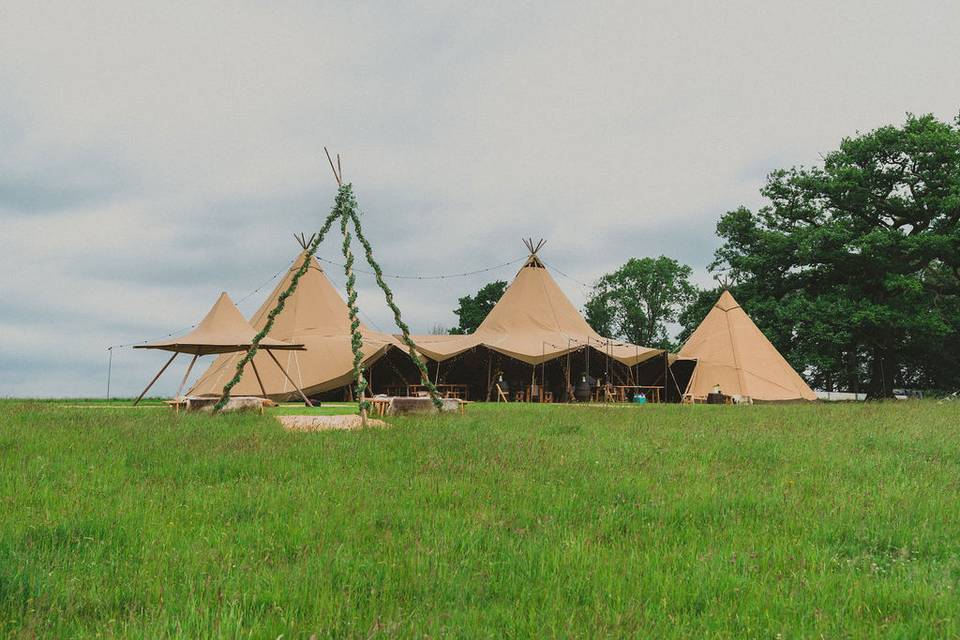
<point x="639" y="398"/>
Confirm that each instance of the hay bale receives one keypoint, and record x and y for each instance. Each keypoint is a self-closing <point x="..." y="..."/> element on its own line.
<point x="327" y="423"/>
<point x="405" y="406"/>
<point x="239" y="403"/>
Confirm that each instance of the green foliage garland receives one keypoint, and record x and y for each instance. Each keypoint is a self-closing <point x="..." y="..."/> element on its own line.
<point x="356" y="340"/>
<point x="404" y="329"/>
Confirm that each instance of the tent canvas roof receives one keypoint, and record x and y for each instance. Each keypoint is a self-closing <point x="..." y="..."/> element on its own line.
<point x="732" y="352"/>
<point x="533" y="322"/>
<point x="314" y="315"/>
<point x="222" y="330"/>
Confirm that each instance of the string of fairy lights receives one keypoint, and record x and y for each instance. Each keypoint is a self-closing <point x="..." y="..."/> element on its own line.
<point x="394" y="276"/>
<point x="286" y="268"/>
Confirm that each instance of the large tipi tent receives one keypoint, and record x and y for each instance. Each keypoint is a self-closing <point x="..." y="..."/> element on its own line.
<point x="533" y="322"/>
<point x="316" y="316"/>
<point x="730" y="351"/>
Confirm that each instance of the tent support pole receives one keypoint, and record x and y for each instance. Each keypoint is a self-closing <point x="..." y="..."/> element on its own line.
<point x="259" y="381"/>
<point x="186" y="375"/>
<point x="159" y="373"/>
<point x="666" y="371"/>
<point x="676" y="385"/>
<point x="489" y="365"/>
<point x="284" y="372"/>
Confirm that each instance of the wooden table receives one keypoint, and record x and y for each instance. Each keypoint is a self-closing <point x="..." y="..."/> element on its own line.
<point x="459" y="391"/>
<point x="619" y="392"/>
<point x="380" y="405"/>
<point x="652" y="392"/>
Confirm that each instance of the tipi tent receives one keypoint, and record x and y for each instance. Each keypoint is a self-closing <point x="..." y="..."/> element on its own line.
<point x="223" y="330"/>
<point x="314" y="315"/>
<point x="533" y="322"/>
<point x="730" y="351"/>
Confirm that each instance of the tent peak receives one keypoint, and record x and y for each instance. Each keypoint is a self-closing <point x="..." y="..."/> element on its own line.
<point x="533" y="248"/>
<point x="726" y="302"/>
<point x="303" y="241"/>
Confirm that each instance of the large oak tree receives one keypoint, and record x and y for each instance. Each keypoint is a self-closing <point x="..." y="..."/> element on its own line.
<point x="853" y="268"/>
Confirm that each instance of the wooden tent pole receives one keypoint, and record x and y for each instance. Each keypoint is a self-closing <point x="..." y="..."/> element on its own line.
<point x="186" y="375"/>
<point x="259" y="381"/>
<point x="284" y="372"/>
<point x="666" y="371"/>
<point x="159" y="373"/>
<point x="489" y="380"/>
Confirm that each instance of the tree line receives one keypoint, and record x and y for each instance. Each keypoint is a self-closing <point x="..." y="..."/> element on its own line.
<point x="851" y="267"/>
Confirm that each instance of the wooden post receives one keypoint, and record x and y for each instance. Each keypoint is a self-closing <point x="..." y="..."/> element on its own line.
<point x="666" y="371"/>
<point x="533" y="381"/>
<point x="159" y="373"/>
<point x="284" y="372"/>
<point x="109" y="370"/>
<point x="259" y="381"/>
<point x="489" y="379"/>
<point x="186" y="375"/>
<point x="363" y="411"/>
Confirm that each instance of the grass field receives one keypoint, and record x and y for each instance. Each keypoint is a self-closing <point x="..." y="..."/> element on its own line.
<point x="538" y="521"/>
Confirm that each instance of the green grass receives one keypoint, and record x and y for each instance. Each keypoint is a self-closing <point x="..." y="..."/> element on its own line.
<point x="805" y="521"/>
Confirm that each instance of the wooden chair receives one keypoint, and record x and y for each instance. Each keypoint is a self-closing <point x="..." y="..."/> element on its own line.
<point x="501" y="396"/>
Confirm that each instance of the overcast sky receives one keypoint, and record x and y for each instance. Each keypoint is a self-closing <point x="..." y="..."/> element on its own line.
<point x="153" y="155"/>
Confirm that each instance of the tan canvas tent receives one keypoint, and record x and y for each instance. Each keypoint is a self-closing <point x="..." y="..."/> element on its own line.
<point x="730" y="351"/>
<point x="534" y="322"/>
<point x="223" y="330"/>
<point x="316" y="316"/>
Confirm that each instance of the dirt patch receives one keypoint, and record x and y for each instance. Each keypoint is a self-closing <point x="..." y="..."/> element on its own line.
<point x="326" y="423"/>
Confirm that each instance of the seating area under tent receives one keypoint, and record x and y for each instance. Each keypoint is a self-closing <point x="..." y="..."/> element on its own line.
<point x="476" y="373"/>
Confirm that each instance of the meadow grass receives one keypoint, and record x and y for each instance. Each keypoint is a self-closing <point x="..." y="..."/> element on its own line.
<point x="513" y="521"/>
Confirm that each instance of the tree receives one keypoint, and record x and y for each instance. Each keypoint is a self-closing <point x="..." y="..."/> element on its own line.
<point x="852" y="269"/>
<point x="473" y="309"/>
<point x="638" y="300"/>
